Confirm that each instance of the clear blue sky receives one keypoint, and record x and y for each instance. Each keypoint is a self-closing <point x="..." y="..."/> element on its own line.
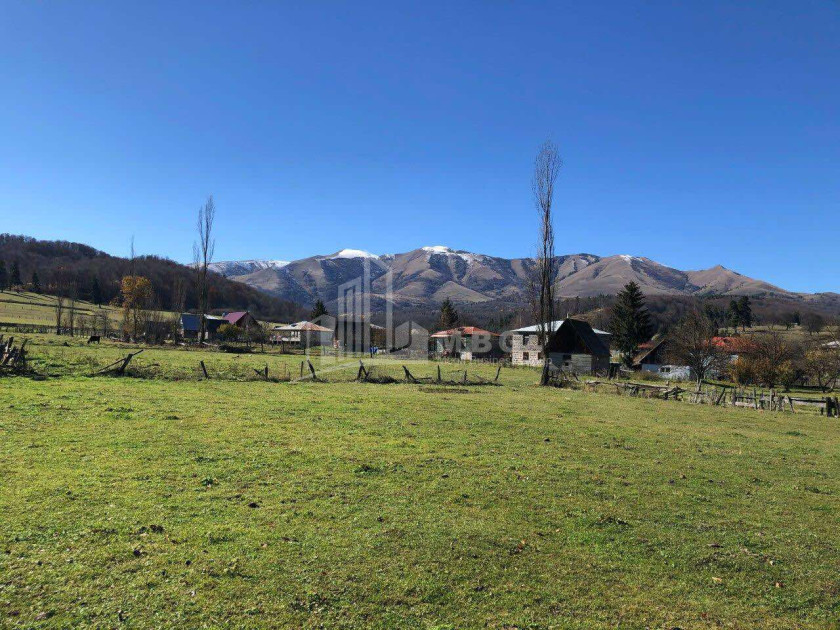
<point x="693" y="133"/>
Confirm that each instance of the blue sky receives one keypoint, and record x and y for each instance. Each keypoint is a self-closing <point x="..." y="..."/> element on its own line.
<point x="692" y="133"/>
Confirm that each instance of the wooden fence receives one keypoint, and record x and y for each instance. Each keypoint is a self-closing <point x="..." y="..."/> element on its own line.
<point x="724" y="396"/>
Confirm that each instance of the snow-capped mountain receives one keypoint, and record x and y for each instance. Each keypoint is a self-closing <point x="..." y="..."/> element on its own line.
<point x="430" y="274"/>
<point x="230" y="268"/>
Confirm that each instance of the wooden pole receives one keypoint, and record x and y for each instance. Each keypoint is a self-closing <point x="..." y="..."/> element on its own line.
<point x="126" y="361"/>
<point x="204" y="369"/>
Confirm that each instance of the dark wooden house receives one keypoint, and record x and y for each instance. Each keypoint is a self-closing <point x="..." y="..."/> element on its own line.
<point x="575" y="347"/>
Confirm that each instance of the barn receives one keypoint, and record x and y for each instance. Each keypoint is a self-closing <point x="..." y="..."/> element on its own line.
<point x="576" y="347"/>
<point x="525" y="343"/>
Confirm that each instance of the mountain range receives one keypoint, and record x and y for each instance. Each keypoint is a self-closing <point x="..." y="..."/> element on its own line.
<point x="424" y="277"/>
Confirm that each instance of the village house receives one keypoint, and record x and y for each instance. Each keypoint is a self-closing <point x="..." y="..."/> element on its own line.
<point x="240" y="319"/>
<point x="190" y="325"/>
<point x="526" y="348"/>
<point x="467" y="343"/>
<point x="302" y="335"/>
<point x="654" y="356"/>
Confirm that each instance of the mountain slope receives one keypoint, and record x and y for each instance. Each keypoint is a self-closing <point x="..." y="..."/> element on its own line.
<point x="722" y="281"/>
<point x="428" y="275"/>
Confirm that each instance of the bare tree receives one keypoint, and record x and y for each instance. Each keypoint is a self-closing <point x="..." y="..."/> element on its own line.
<point x="179" y="295"/>
<point x="202" y="257"/>
<point x="692" y="343"/>
<point x="132" y="269"/>
<point x="59" y="312"/>
<point x="71" y="307"/>
<point x="821" y="362"/>
<point x="101" y="323"/>
<point x="60" y="290"/>
<point x="546" y="169"/>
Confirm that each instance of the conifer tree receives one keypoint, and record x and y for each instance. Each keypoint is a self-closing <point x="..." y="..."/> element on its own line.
<point x="36" y="282"/>
<point x="448" y="315"/>
<point x="15" y="276"/>
<point x="745" y="316"/>
<point x="95" y="291"/>
<point x="319" y="310"/>
<point x="630" y="323"/>
<point x="4" y="276"/>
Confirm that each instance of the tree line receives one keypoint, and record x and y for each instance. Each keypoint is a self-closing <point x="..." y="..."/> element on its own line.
<point x="79" y="272"/>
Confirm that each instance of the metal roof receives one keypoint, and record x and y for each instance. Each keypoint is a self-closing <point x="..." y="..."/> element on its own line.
<point x="463" y="330"/>
<point x="304" y="325"/>
<point x="554" y="326"/>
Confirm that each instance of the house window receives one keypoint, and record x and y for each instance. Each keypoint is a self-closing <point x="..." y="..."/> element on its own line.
<point x="525" y="356"/>
<point x="539" y="356"/>
<point x="665" y="370"/>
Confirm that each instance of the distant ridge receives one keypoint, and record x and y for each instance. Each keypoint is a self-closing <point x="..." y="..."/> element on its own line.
<point x="427" y="275"/>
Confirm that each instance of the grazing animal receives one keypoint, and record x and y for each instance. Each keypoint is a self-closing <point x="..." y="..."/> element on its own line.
<point x="93" y="339"/>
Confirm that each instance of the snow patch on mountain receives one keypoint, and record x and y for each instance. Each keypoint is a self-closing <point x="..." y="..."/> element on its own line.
<point x="352" y="253"/>
<point x="241" y="267"/>
<point x="448" y="251"/>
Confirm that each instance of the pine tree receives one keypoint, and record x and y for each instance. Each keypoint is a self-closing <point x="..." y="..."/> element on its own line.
<point x="4" y="276"/>
<point x="448" y="315"/>
<point x="745" y="315"/>
<point x="36" y="282"/>
<point x="15" y="277"/>
<point x="630" y="323"/>
<point x="319" y="310"/>
<point x="733" y="314"/>
<point x="95" y="291"/>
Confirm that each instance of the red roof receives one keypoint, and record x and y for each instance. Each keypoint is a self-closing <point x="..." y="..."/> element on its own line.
<point x="734" y="345"/>
<point x="234" y="317"/>
<point x="464" y="331"/>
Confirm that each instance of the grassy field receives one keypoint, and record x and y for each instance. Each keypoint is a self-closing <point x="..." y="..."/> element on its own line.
<point x="38" y="309"/>
<point x="169" y="501"/>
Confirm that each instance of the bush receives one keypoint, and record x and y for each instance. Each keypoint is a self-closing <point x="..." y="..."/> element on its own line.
<point x="229" y="332"/>
<point x="742" y="371"/>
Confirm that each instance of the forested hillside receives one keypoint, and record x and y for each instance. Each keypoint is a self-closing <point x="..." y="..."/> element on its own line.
<point x="63" y="267"/>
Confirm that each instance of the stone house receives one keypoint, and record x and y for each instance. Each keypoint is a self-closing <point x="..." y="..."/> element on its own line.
<point x="526" y="348"/>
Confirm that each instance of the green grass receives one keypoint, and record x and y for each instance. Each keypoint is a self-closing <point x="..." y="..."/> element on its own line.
<point x="39" y="309"/>
<point x="170" y="501"/>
